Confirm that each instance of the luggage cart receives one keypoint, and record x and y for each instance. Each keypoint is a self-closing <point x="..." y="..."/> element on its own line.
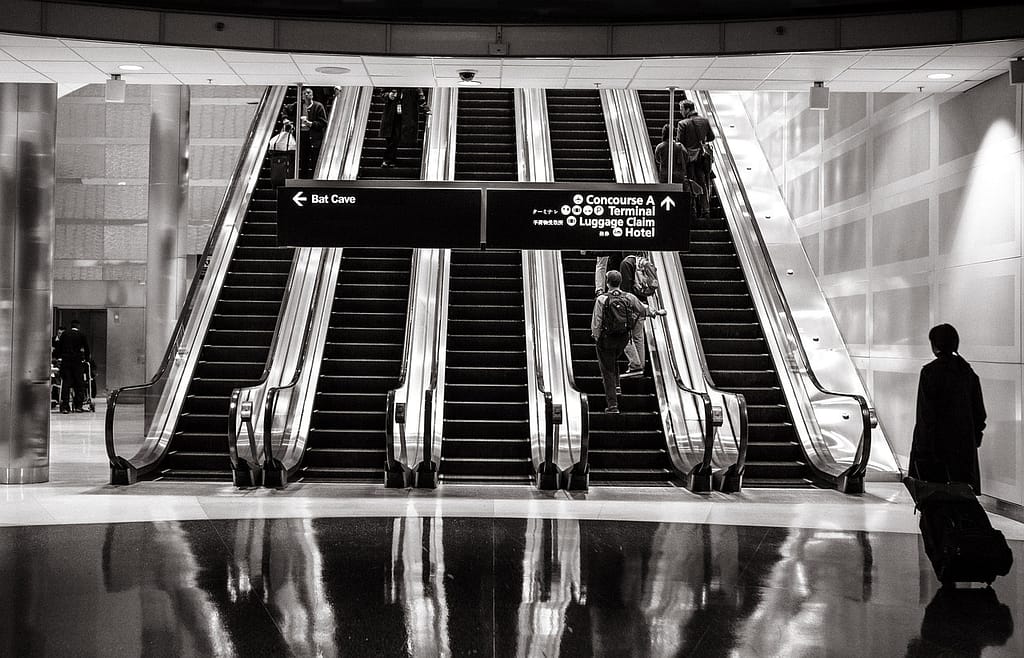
<point x="90" y="387"/>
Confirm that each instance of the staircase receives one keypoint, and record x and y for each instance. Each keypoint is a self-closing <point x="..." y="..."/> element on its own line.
<point x="410" y="158"/>
<point x="362" y="361"/>
<point x="237" y="342"/>
<point x="362" y="358"/>
<point x="579" y="138"/>
<point x="629" y="447"/>
<point x="485" y="146"/>
<point x="738" y="355"/>
<point x="486" y="433"/>
<point x="732" y="337"/>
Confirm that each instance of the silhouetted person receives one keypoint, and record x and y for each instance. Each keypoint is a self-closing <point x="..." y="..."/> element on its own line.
<point x="312" y="125"/>
<point x="73" y="350"/>
<point x="282" y="154"/>
<point x="400" y="121"/>
<point x="694" y="131"/>
<point x="661" y="158"/>
<point x="962" y="623"/>
<point x="950" y="415"/>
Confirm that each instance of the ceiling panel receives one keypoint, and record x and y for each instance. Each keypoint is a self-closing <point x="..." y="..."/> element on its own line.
<point x="450" y="71"/>
<point x="107" y="53"/>
<point x="925" y="87"/>
<point x="723" y="85"/>
<point x="737" y="73"/>
<point x="546" y="72"/>
<point x="1005" y="49"/>
<point x="945" y="62"/>
<point x="594" y="83"/>
<point x="691" y="62"/>
<point x="270" y="68"/>
<point x="81" y="77"/>
<point x="759" y="61"/>
<point x="664" y="73"/>
<point x="662" y="84"/>
<point x="782" y="85"/>
<point x="872" y="75"/>
<point x="52" y="53"/>
<point x="153" y="79"/>
<point x="232" y="56"/>
<point x="63" y="67"/>
<point x="189" y="60"/>
<point x="809" y="75"/>
<point x="853" y="85"/>
<point x="218" y="79"/>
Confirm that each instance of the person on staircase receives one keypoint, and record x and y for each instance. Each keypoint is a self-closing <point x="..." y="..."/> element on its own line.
<point x="661" y="157"/>
<point x="400" y="122"/>
<point x="636" y="348"/>
<point x="611" y="324"/>
<point x="312" y="126"/>
<point x="695" y="132"/>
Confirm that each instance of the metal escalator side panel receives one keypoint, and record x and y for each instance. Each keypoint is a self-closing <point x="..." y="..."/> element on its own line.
<point x="806" y="344"/>
<point x="185" y="354"/>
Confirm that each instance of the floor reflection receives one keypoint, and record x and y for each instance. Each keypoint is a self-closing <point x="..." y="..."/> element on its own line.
<point x="464" y="586"/>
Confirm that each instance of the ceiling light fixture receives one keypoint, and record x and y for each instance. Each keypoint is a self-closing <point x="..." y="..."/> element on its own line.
<point x="468" y="78"/>
<point x="332" y="70"/>
<point x="940" y="76"/>
<point x="130" y="67"/>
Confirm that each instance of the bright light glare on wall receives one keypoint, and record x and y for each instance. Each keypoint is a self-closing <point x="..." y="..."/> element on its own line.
<point x="940" y="76"/>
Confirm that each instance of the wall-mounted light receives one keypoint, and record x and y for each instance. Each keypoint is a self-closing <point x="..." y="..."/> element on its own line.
<point x="114" y="91"/>
<point x="819" y="96"/>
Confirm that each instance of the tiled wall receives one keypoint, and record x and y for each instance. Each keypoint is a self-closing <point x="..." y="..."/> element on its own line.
<point x="102" y="200"/>
<point x="910" y="211"/>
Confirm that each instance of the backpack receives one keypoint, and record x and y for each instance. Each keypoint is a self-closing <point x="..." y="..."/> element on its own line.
<point x="619" y="316"/>
<point x="645" y="279"/>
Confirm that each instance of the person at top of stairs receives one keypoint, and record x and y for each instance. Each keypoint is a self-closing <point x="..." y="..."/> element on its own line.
<point x="615" y="315"/>
<point x="400" y="122"/>
<point x="694" y="131"/>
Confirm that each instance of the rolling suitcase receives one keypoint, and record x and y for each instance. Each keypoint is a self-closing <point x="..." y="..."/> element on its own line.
<point x="959" y="540"/>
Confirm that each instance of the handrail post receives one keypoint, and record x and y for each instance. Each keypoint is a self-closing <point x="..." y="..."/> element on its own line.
<point x="731" y="479"/>
<point x="548" y="475"/>
<point x="243" y="472"/>
<point x="396" y="474"/>
<point x="275" y="475"/>
<point x="121" y="470"/>
<point x="425" y="476"/>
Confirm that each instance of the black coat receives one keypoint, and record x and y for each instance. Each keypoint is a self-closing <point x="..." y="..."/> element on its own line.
<point x="413" y="101"/>
<point x="72" y="345"/>
<point x="950" y="421"/>
<point x="317" y="116"/>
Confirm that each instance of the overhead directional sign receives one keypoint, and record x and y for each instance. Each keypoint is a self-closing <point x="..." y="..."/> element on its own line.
<point x="467" y="215"/>
<point x="350" y="216"/>
<point x="614" y="219"/>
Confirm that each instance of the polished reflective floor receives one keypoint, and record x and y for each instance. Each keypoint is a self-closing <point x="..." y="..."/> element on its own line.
<point x="206" y="570"/>
<point x="423" y="586"/>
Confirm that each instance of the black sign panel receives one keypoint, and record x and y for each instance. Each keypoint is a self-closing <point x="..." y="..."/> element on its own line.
<point x="599" y="220"/>
<point x="321" y="216"/>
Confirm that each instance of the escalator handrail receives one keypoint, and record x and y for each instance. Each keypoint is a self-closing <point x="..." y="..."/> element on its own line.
<point x="403" y="373"/>
<point x="565" y="337"/>
<point x="428" y="406"/>
<point x="270" y="405"/>
<point x="863" y="454"/>
<point x="258" y="130"/>
<point x="549" y="439"/>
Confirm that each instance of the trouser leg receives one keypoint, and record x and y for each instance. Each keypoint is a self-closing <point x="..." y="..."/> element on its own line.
<point x="78" y="383"/>
<point x="635" y="350"/>
<point x="66" y="385"/>
<point x="600" y="270"/>
<point x="609" y="374"/>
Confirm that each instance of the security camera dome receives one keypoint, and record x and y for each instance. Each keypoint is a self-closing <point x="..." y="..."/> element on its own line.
<point x="467" y="75"/>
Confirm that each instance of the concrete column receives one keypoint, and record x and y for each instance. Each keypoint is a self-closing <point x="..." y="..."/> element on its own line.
<point x="28" y="127"/>
<point x="166" y="270"/>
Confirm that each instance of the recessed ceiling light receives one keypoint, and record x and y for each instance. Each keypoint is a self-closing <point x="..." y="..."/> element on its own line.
<point x="130" y="67"/>
<point x="333" y="70"/>
<point x="940" y="76"/>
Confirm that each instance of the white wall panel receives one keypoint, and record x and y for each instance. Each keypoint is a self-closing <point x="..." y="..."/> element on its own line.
<point x="940" y="181"/>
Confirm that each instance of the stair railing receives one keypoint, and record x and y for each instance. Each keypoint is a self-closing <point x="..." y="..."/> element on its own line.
<point x="548" y="475"/>
<point x="800" y="382"/>
<point x="397" y="472"/>
<point x="163" y="395"/>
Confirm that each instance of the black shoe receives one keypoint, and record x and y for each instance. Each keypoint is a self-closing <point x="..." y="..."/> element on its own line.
<point x="612" y="410"/>
<point x="631" y="373"/>
<point x="79" y="410"/>
<point x="65" y="410"/>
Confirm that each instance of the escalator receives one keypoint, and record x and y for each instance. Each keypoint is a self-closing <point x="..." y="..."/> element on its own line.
<point x="237" y="342"/>
<point x="362" y="357"/>
<point x="486" y="429"/>
<point x="628" y="447"/>
<point x="733" y="339"/>
<point x="410" y="156"/>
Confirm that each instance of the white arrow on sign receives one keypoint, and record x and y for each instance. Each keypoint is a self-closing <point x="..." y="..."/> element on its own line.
<point x="667" y="203"/>
<point x="298" y="198"/>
